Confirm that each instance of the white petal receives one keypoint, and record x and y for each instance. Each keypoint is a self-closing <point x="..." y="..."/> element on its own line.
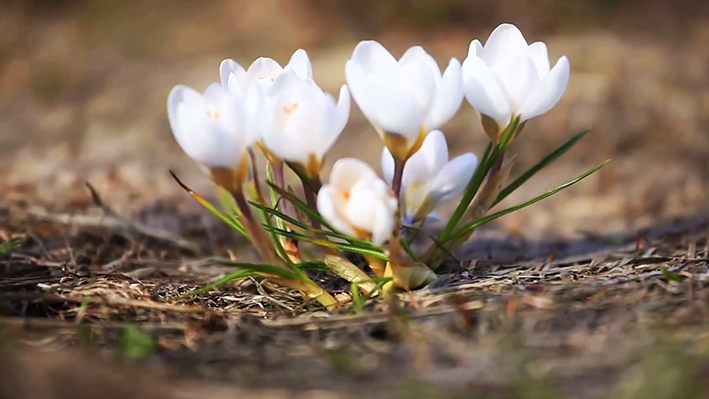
<point x="435" y="149"/>
<point x="505" y="40"/>
<point x="452" y="179"/>
<point x="418" y="55"/>
<point x="517" y="75"/>
<point x="425" y="162"/>
<point x="373" y="57"/>
<point x="484" y="93"/>
<point x="388" y="166"/>
<point x="475" y="49"/>
<point x="540" y="56"/>
<point x="547" y="92"/>
<point x="263" y="71"/>
<point x="448" y="98"/>
<point x="327" y="206"/>
<point x="383" y="226"/>
<point x="230" y="68"/>
<point x="300" y="64"/>
<point x="383" y="102"/>
<point x="347" y="171"/>
<point x="339" y="121"/>
<point x="420" y="82"/>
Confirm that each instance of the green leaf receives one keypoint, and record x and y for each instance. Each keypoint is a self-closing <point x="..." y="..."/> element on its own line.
<point x="228" y="203"/>
<point x="137" y="344"/>
<point x="307" y="228"/>
<point x="230" y="220"/>
<point x="300" y="204"/>
<point x="375" y="252"/>
<point x="12" y="244"/>
<point x="359" y="300"/>
<point x="492" y="152"/>
<point x="553" y="156"/>
<point x="262" y="268"/>
<point x="669" y="275"/>
<point x="485" y="219"/>
<point x="237" y="275"/>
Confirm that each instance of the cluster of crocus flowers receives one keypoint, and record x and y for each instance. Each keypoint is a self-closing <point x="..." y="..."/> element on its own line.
<point x="284" y="113"/>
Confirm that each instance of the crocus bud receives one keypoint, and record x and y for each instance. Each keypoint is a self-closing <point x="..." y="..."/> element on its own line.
<point x="403" y="99"/>
<point x="212" y="129"/>
<point x="507" y="78"/>
<point x="429" y="178"/>
<point x="301" y="122"/>
<point x="357" y="202"/>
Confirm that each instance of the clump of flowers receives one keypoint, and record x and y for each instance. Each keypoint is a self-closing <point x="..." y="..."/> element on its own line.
<point x="283" y="113"/>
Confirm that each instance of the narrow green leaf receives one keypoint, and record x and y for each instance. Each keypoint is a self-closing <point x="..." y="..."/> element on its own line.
<point x="492" y="152"/>
<point x="10" y="245"/>
<point x="228" y="203"/>
<point x="300" y="204"/>
<point x="553" y="156"/>
<point x="377" y="253"/>
<point x="237" y="275"/>
<point x="231" y="221"/>
<point x="485" y="219"/>
<point x="262" y="268"/>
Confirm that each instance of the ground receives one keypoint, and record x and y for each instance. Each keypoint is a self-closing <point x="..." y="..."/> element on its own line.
<point x="598" y="292"/>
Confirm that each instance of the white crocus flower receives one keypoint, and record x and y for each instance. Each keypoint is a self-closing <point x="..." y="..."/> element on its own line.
<point x="429" y="178"/>
<point x="403" y="99"/>
<point x="507" y="78"/>
<point x="254" y="83"/>
<point x="357" y="202"/>
<point x="301" y="122"/>
<point x="212" y="129"/>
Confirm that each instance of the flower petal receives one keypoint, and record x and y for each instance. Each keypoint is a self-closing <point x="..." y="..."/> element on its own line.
<point x="418" y="55"/>
<point x="231" y="74"/>
<point x="484" y="93"/>
<point x="263" y="71"/>
<point x="452" y="179"/>
<point x="339" y="120"/>
<point x="388" y="166"/>
<point x="383" y="102"/>
<point x="347" y="171"/>
<point x="516" y="75"/>
<point x="547" y="92"/>
<point x="505" y="40"/>
<point x="383" y="226"/>
<point x="540" y="56"/>
<point x="372" y="57"/>
<point x="327" y="206"/>
<point x="300" y="64"/>
<point x="449" y="96"/>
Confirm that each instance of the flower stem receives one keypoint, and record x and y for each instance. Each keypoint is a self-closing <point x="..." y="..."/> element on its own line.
<point x="398" y="176"/>
<point x="309" y="187"/>
<point x="258" y="236"/>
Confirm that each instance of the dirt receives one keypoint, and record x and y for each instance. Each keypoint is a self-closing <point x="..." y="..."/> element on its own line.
<point x="598" y="292"/>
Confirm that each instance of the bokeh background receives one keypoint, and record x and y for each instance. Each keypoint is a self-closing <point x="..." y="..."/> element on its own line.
<point x="83" y="85"/>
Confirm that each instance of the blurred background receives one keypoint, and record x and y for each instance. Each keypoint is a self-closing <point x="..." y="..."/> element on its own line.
<point x="83" y="86"/>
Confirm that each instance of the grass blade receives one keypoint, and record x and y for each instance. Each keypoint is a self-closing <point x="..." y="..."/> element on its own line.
<point x="301" y="205"/>
<point x="262" y="268"/>
<point x="377" y="253"/>
<point x="479" y="222"/>
<point x="492" y="152"/>
<point x="237" y="275"/>
<point x="11" y="245"/>
<point x="232" y="221"/>
<point x="553" y="156"/>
